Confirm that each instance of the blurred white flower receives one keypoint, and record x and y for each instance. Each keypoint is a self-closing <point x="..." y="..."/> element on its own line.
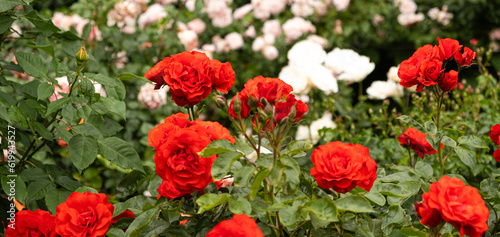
<point x="250" y="32"/>
<point x="220" y="44"/>
<point x="166" y="2"/>
<point x="380" y="90"/>
<point x="99" y="89"/>
<point x="258" y="44"/>
<point x="411" y="18"/>
<point x="234" y="40"/>
<point x="262" y="9"/>
<point x="307" y="51"/>
<point x="209" y="50"/>
<point x="297" y="78"/>
<point x="304" y="76"/>
<point x="120" y="58"/>
<point x="197" y="25"/>
<point x="190" y="5"/>
<point x="272" y="27"/>
<point x="318" y="39"/>
<point x="151" y="98"/>
<point x="270" y="52"/>
<point x="441" y="16"/>
<point x="252" y="157"/>
<point x="219" y="12"/>
<point x="65" y="22"/>
<point x="123" y="15"/>
<point x="377" y="19"/>
<point x="302" y="8"/>
<point x="16" y="30"/>
<point x="311" y="133"/>
<point x="392" y="74"/>
<point x="348" y="65"/>
<point x="154" y="13"/>
<point x="189" y="39"/>
<point x="406" y="6"/>
<point x="295" y="27"/>
<point x="62" y="88"/>
<point x="242" y="11"/>
<point x="495" y="34"/>
<point x="341" y="5"/>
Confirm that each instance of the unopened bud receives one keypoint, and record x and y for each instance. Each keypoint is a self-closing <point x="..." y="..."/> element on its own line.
<point x="293" y="112"/>
<point x="81" y="55"/>
<point x="269" y="110"/>
<point x="252" y="102"/>
<point x="220" y="101"/>
<point x="237" y="105"/>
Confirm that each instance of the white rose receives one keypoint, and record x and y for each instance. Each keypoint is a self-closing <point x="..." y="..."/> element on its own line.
<point x="270" y="52"/>
<point x="349" y="65"/>
<point x="311" y="133"/>
<point x="234" y="40"/>
<point x="392" y="74"/>
<point x="307" y="51"/>
<point x="272" y="27"/>
<point x="296" y="78"/>
<point x="383" y="89"/>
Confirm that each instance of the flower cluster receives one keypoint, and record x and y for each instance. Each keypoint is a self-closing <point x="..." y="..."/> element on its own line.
<point x="342" y="167"/>
<point x="495" y="137"/>
<point x="451" y="200"/>
<point x="426" y="67"/>
<point x="272" y="97"/>
<point x="191" y="76"/>
<point x="177" y="142"/>
<point x="417" y="141"/>
<point x="81" y="215"/>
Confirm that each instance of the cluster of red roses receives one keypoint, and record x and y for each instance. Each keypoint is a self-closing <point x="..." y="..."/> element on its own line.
<point x="343" y="167"/>
<point x="177" y="142"/>
<point x="270" y="95"/>
<point x="495" y="137"/>
<point x="83" y="214"/>
<point x="426" y="67"/>
<point x="451" y="200"/>
<point x="191" y="76"/>
<point x="417" y="141"/>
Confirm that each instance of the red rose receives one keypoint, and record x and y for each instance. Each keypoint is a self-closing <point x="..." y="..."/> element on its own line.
<point x="449" y="81"/>
<point x="155" y="74"/>
<point x="430" y="217"/>
<point x="459" y="204"/>
<point x="222" y="76"/>
<point x="84" y="214"/>
<point x="240" y="226"/>
<point x="417" y="141"/>
<point x="158" y="135"/>
<point x="430" y="72"/>
<point x="495" y="134"/>
<point x="343" y="167"/>
<point x="169" y="191"/>
<point x="242" y="105"/>
<point x="409" y="69"/>
<point x="214" y="130"/>
<point x="448" y="47"/>
<point x="496" y="155"/>
<point x="466" y="58"/>
<point x="188" y="75"/>
<point x="28" y="223"/>
<point x="282" y="109"/>
<point x="125" y="214"/>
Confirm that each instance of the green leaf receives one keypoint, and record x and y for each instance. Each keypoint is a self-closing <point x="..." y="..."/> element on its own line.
<point x="210" y="200"/>
<point x="14" y="186"/>
<point x="114" y="106"/>
<point x="473" y="141"/>
<point x="217" y="147"/>
<point x="141" y="222"/>
<point x="242" y="176"/>
<point x="68" y="183"/>
<point x="84" y="189"/>
<point x="430" y="127"/>
<point x="31" y="64"/>
<point x="38" y="189"/>
<point x="88" y="130"/>
<point x="129" y="184"/>
<point x="413" y="123"/>
<point x="4" y="114"/>
<point x="392" y="190"/>
<point x="254" y="189"/>
<point x="54" y="198"/>
<point x="324" y="209"/>
<point x="5" y="22"/>
<point x="240" y="206"/>
<point x="40" y="23"/>
<point x="466" y="156"/>
<point x="395" y="215"/>
<point x="82" y="151"/>
<point x="42" y="130"/>
<point x="56" y="105"/>
<point x="296" y="147"/>
<point x="44" y="91"/>
<point x="424" y="170"/>
<point x="221" y="165"/>
<point x="289" y="215"/>
<point x="120" y="153"/>
<point x="46" y="48"/>
<point x="354" y="204"/>
<point x="448" y="141"/>
<point x="128" y="76"/>
<point x="104" y="80"/>
<point x="376" y="198"/>
<point x="6" y="5"/>
<point x="115" y="232"/>
<point x="410" y="231"/>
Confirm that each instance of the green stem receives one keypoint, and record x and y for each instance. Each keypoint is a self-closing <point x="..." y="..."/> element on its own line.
<point x="439" y="97"/>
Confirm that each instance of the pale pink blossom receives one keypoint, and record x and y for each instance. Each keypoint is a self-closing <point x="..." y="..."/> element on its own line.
<point x="272" y="27"/>
<point x="263" y="9"/>
<point x="234" y="40"/>
<point x="318" y="39"/>
<point x="123" y="15"/>
<point x="495" y="34"/>
<point x="63" y="87"/>
<point x="226" y="181"/>
<point x="269" y="39"/>
<point x="189" y="39"/>
<point x="250" y="32"/>
<point x="296" y="27"/>
<point x="302" y="8"/>
<point x="442" y="16"/>
<point x="220" y="44"/>
<point x="152" y="99"/>
<point x="258" y="44"/>
<point x="166" y="2"/>
<point x="406" y="6"/>
<point x="219" y="12"/>
<point x="242" y="11"/>
<point x="120" y="59"/>
<point x="341" y="5"/>
<point x="338" y="27"/>
<point x="409" y="19"/>
<point x="190" y="5"/>
<point x="16" y="30"/>
<point x="270" y="52"/>
<point x="154" y="13"/>
<point x="209" y="50"/>
<point x="377" y="19"/>
<point x="197" y="25"/>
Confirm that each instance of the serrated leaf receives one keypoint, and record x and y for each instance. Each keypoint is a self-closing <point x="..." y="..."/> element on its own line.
<point x="324" y="209"/>
<point x="82" y="151"/>
<point x="376" y="198"/>
<point x="68" y="183"/>
<point x="114" y="106"/>
<point x="38" y="189"/>
<point x="240" y="206"/>
<point x="391" y="190"/>
<point x="115" y="232"/>
<point x="44" y="91"/>
<point x="31" y="64"/>
<point x="141" y="222"/>
<point x="128" y="76"/>
<point x="297" y="147"/>
<point x="354" y="204"/>
<point x="120" y="153"/>
<point x="84" y="189"/>
<point x="210" y="200"/>
<point x="88" y="130"/>
<point x="46" y="48"/>
<point x="5" y="22"/>
<point x="242" y="176"/>
<point x="42" y="130"/>
<point x="56" y="105"/>
<point x="473" y="141"/>
<point x="105" y="80"/>
<point x="424" y="170"/>
<point x="40" y="23"/>
<point x="430" y="127"/>
<point x="289" y="215"/>
<point x="412" y="122"/>
<point x="466" y="156"/>
<point x="4" y="114"/>
<point x="6" y="5"/>
<point x="217" y="147"/>
<point x="221" y="165"/>
<point x="448" y="141"/>
<point x="257" y="182"/>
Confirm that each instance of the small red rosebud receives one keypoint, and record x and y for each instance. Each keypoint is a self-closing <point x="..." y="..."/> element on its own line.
<point x="473" y="42"/>
<point x="449" y="81"/>
<point x="465" y="59"/>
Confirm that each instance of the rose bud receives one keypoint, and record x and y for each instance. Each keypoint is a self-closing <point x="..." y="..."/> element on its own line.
<point x="220" y="101"/>
<point x="449" y="81"/>
<point x="82" y="56"/>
